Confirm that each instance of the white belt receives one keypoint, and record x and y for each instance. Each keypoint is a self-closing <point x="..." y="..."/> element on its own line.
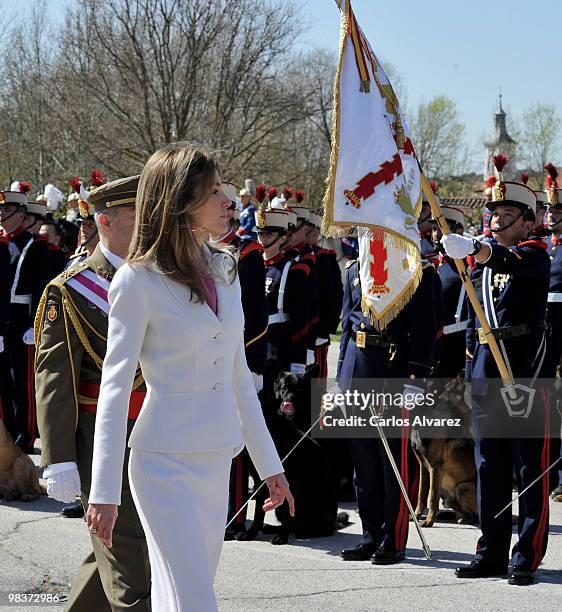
<point x="21" y="299"/>
<point x="280" y="317"/>
<point x="554" y="297"/>
<point x="455" y="327"/>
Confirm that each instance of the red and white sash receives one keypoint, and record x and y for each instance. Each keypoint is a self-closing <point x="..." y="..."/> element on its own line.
<point x="93" y="287"/>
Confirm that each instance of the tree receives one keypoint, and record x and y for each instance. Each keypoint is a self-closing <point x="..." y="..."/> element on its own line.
<point x="539" y="136"/>
<point x="438" y="136"/>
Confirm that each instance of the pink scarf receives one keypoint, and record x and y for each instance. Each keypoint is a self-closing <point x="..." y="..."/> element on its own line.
<point x="210" y="292"/>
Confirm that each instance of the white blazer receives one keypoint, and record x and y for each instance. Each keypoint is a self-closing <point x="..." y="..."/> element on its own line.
<point x="200" y="393"/>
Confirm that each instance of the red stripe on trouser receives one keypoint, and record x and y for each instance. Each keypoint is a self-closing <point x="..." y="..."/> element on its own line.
<point x="31" y="418"/>
<point x="238" y="497"/>
<point x="401" y="522"/>
<point x="545" y="462"/>
<point x="405" y="478"/>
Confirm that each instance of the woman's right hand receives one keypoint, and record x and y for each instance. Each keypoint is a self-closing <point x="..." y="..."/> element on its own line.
<point x="100" y="519"/>
<point x="278" y="492"/>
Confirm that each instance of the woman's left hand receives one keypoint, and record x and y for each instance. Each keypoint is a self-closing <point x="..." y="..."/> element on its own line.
<point x="279" y="491"/>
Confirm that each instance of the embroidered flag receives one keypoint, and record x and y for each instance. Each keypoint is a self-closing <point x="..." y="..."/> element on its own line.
<point x="373" y="184"/>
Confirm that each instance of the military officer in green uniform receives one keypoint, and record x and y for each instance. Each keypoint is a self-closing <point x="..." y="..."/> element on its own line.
<point x="71" y="332"/>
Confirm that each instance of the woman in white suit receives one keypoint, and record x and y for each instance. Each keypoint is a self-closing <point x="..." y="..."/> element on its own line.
<point x="176" y="310"/>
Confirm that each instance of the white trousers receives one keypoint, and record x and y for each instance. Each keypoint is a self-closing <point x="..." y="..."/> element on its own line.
<point x="182" y="501"/>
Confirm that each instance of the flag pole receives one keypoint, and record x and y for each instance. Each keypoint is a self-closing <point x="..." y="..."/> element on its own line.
<point x="469" y="287"/>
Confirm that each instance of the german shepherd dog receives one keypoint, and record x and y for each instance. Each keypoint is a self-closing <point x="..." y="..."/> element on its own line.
<point x="447" y="467"/>
<point x="308" y="469"/>
<point x="18" y="477"/>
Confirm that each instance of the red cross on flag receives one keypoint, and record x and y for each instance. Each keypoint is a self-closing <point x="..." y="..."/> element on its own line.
<point x="373" y="184"/>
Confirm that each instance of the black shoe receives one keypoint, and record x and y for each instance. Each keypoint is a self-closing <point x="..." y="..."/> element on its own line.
<point x="521" y="577"/>
<point x="73" y="510"/>
<point x="385" y="556"/>
<point x="359" y="553"/>
<point x="481" y="569"/>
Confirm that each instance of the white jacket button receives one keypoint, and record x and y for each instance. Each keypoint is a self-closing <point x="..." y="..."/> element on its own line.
<point x="218" y="337"/>
<point x="218" y="362"/>
<point x="217" y="387"/>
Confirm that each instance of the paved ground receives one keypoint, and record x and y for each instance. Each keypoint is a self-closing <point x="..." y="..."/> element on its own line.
<point x="40" y="553"/>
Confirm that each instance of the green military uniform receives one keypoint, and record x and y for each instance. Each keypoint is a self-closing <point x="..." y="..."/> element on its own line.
<point x="71" y="339"/>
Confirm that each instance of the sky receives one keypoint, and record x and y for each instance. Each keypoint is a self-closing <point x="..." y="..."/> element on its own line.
<point x="467" y="50"/>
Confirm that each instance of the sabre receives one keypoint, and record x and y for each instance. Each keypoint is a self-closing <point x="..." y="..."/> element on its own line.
<point x="426" y="549"/>
<point x="527" y="487"/>
<point x="305" y="434"/>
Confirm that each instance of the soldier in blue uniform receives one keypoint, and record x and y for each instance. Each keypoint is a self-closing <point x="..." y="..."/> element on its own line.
<point x="330" y="292"/>
<point x="247" y="230"/>
<point x="287" y="314"/>
<point x="554" y="308"/>
<point x="511" y="279"/>
<point x="405" y="349"/>
<point x="451" y="358"/>
<point x="297" y="248"/>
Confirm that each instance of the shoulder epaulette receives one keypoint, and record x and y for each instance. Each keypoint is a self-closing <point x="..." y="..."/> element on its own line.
<point x="539" y="244"/>
<point x="301" y="266"/>
<point x="350" y="263"/>
<point x="251" y="248"/>
<point x="308" y="257"/>
<point x="61" y="279"/>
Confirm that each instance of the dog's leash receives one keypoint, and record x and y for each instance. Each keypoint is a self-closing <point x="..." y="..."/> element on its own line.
<point x="282" y="462"/>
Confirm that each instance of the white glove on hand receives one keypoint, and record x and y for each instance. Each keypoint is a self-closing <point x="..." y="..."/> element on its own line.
<point x="63" y="481"/>
<point x="29" y="337"/>
<point x="258" y="381"/>
<point x="310" y="357"/>
<point x="456" y="246"/>
<point x="328" y="403"/>
<point x="409" y="396"/>
<point x="297" y="368"/>
<point x="1" y="344"/>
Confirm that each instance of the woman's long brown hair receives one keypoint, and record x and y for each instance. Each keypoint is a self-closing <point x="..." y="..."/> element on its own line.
<point x="175" y="182"/>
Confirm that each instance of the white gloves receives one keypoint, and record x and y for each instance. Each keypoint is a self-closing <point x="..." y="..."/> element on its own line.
<point x="28" y="337"/>
<point x="409" y="396"/>
<point x="297" y="368"/>
<point x="63" y="481"/>
<point x="258" y="381"/>
<point x="457" y="246"/>
<point x="1" y="344"/>
<point x="310" y="357"/>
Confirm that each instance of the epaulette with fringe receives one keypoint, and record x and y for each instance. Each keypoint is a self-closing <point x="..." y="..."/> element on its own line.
<point x="251" y="248"/>
<point x="79" y="254"/>
<point x="350" y="263"/>
<point x="301" y="266"/>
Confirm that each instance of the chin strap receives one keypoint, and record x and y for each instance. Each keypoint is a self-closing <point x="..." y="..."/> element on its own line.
<point x="502" y="229"/>
<point x="10" y="216"/>
<point x="428" y="216"/>
<point x="85" y="244"/>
